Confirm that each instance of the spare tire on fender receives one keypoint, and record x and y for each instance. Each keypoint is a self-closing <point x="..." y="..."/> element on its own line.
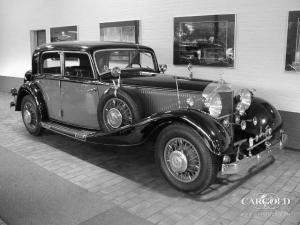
<point x="117" y="109"/>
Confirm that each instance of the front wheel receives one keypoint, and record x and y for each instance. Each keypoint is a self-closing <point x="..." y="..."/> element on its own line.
<point x="184" y="159"/>
<point x="31" y="116"/>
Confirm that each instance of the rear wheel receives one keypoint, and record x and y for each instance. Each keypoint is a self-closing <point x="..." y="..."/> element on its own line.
<point x="31" y="116"/>
<point x="184" y="159"/>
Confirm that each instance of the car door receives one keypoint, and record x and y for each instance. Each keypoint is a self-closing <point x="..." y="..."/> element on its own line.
<point x="51" y="74"/>
<point x="79" y="93"/>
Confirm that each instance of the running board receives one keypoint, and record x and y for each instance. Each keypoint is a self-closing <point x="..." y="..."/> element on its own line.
<point x="76" y="133"/>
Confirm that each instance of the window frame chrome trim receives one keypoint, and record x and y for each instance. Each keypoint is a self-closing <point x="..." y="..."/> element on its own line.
<point x="156" y="67"/>
<point x="90" y="59"/>
<point x="60" y="59"/>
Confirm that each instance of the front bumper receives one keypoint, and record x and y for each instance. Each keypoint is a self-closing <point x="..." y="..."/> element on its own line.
<point x="245" y="164"/>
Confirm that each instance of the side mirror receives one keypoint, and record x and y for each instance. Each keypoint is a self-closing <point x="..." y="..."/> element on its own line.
<point x="28" y="76"/>
<point x="163" y="68"/>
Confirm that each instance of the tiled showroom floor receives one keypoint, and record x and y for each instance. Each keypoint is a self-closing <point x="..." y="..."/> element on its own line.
<point x="129" y="178"/>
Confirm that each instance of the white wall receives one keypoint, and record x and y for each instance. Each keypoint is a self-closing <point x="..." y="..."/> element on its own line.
<point x="261" y="33"/>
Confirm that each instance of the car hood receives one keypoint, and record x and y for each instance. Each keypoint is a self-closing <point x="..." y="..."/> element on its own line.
<point x="166" y="81"/>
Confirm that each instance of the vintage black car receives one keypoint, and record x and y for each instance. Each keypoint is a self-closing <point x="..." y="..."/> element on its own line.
<point x="117" y="94"/>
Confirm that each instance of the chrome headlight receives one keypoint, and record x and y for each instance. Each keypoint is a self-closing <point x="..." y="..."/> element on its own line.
<point x="245" y="101"/>
<point x="214" y="105"/>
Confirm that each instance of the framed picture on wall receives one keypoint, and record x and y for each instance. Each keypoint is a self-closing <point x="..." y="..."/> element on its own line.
<point x="292" y="59"/>
<point x="68" y="33"/>
<point x="124" y="31"/>
<point x="204" y="40"/>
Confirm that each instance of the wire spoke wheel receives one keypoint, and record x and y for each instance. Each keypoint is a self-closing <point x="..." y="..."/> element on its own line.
<point x="30" y="115"/>
<point x="117" y="113"/>
<point x="182" y="159"/>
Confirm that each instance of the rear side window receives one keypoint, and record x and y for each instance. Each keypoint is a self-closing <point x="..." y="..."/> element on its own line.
<point x="51" y="63"/>
<point x="78" y="65"/>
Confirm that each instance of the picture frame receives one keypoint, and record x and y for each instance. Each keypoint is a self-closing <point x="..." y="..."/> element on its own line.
<point x="205" y="40"/>
<point x="121" y="31"/>
<point x="292" y="59"/>
<point x="66" y="33"/>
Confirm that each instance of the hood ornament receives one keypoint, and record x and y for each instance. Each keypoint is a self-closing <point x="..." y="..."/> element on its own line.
<point x="221" y="81"/>
<point x="189" y="67"/>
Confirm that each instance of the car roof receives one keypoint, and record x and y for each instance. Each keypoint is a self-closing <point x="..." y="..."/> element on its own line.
<point x="88" y="46"/>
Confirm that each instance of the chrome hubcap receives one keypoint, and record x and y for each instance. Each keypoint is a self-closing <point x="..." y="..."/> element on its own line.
<point x="114" y="118"/>
<point x="30" y="116"/>
<point x="182" y="159"/>
<point x="178" y="162"/>
<point x="27" y="117"/>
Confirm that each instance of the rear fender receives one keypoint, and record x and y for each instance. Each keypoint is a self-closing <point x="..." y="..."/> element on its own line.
<point x="31" y="88"/>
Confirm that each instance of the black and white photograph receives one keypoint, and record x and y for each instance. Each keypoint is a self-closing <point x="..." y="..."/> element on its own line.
<point x="66" y="33"/>
<point x="121" y="31"/>
<point x="292" y="61"/>
<point x="204" y="40"/>
<point x="149" y="112"/>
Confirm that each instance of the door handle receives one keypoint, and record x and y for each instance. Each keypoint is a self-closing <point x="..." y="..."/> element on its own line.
<point x="91" y="91"/>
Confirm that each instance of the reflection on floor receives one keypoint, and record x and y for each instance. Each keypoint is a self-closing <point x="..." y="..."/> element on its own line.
<point x="129" y="178"/>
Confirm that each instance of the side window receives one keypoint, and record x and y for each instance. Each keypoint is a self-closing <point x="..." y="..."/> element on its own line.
<point x="50" y="63"/>
<point x="78" y="65"/>
<point x="147" y="60"/>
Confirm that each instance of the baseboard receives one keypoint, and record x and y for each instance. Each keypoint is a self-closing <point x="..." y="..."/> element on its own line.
<point x="6" y="83"/>
<point x="291" y="119"/>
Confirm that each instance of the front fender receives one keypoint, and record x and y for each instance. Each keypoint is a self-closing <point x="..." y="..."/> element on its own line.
<point x="267" y="116"/>
<point x="213" y="134"/>
<point x="31" y="88"/>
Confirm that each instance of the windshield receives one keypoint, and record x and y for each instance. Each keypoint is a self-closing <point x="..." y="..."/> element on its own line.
<point x="125" y="59"/>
